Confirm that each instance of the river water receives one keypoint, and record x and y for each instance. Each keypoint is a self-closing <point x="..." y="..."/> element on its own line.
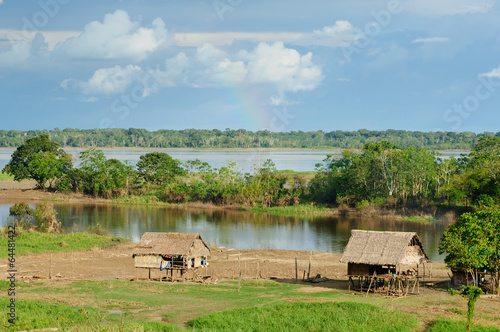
<point x="235" y="229"/>
<point x="297" y="160"/>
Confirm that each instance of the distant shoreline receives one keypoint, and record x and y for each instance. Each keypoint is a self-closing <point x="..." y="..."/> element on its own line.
<point x="224" y="149"/>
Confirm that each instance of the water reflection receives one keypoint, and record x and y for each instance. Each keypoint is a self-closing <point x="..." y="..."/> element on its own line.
<point x="235" y="229"/>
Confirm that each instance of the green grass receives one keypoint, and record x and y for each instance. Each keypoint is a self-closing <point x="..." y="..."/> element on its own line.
<point x="301" y="209"/>
<point x="447" y="325"/>
<point x="40" y="314"/>
<point x="33" y="242"/>
<point x="5" y="176"/>
<point x="422" y="219"/>
<point x="340" y="316"/>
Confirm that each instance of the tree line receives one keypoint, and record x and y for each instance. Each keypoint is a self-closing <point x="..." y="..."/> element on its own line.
<point x="241" y="138"/>
<point x="379" y="174"/>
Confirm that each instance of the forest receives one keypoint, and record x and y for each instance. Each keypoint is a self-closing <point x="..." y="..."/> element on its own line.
<point x="241" y="138"/>
<point x="380" y="174"/>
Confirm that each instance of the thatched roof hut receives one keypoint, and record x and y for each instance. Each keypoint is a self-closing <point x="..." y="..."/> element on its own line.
<point x="372" y="248"/>
<point x="182" y="249"/>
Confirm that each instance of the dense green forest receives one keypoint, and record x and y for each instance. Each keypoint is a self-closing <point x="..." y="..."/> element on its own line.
<point x="381" y="174"/>
<point x="241" y="138"/>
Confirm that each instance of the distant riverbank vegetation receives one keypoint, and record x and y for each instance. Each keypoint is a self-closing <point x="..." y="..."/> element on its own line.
<point x="379" y="176"/>
<point x="241" y="138"/>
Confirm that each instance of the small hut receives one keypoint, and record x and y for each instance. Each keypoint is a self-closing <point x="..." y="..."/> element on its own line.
<point x="171" y="252"/>
<point x="380" y="257"/>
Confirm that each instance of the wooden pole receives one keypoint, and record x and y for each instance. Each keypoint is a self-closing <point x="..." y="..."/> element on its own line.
<point x="309" y="272"/>
<point x="50" y="266"/>
<point x="296" y="272"/>
<point x="239" y="274"/>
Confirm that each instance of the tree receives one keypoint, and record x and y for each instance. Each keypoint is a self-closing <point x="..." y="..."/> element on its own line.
<point x="102" y="177"/>
<point x="39" y="159"/>
<point x="473" y="242"/>
<point x="472" y="293"/>
<point x="159" y="168"/>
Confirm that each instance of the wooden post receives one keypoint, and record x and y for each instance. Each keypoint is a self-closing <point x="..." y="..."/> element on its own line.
<point x="149" y="273"/>
<point x="371" y="281"/>
<point x="304" y="275"/>
<point x="50" y="266"/>
<point x="309" y="272"/>
<point x="296" y="272"/>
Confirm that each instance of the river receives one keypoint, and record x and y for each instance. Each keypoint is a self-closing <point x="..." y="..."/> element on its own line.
<point x="235" y="229"/>
<point x="297" y="160"/>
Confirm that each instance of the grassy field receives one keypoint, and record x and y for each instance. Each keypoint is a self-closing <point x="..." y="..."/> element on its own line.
<point x="4" y="176"/>
<point x="113" y="305"/>
<point x="33" y="242"/>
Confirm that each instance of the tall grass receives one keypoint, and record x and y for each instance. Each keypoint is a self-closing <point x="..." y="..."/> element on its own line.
<point x="33" y="242"/>
<point x="5" y="176"/>
<point x="340" y="316"/>
<point x="447" y="325"/>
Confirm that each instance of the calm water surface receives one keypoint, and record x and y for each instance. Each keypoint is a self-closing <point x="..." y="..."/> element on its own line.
<point x="235" y="229"/>
<point x="297" y="160"/>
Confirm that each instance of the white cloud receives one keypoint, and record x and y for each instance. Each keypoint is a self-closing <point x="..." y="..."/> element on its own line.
<point x="343" y="79"/>
<point x="116" y="37"/>
<point x="495" y="73"/>
<point x="107" y="80"/>
<point x="431" y="40"/>
<point x="51" y="37"/>
<point x="342" y="33"/>
<point x="449" y="7"/>
<point x="91" y="99"/>
<point x="283" y="67"/>
<point x="272" y="65"/>
<point x="20" y="51"/>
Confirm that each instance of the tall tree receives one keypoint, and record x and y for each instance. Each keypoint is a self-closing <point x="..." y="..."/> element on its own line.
<point x="39" y="159"/>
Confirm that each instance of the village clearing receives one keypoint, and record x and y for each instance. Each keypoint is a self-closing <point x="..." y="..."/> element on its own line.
<point x="102" y="283"/>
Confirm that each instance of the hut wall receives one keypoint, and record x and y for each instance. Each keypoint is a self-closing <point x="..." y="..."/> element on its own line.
<point x="148" y="261"/>
<point x="199" y="249"/>
<point x="197" y="261"/>
<point x="414" y="255"/>
<point x="358" y="269"/>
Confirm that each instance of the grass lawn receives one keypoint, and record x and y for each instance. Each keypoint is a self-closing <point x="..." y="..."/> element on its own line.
<point x="5" y="176"/>
<point x="260" y="305"/>
<point x="33" y="242"/>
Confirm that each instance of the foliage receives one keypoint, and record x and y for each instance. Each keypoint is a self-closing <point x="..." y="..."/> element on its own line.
<point x="340" y="316"/>
<point x="473" y="242"/>
<point x="39" y="159"/>
<point x="102" y="177"/>
<point x="472" y="293"/>
<point x="230" y="138"/>
<point x="159" y="168"/>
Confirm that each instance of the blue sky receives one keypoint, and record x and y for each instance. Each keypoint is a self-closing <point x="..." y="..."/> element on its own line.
<point x="427" y="65"/>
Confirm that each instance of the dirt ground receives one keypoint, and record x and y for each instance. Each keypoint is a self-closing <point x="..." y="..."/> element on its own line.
<point x="116" y="262"/>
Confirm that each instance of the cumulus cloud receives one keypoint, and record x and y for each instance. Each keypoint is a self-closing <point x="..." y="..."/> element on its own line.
<point x="495" y="73"/>
<point x="21" y="51"/>
<point x="116" y="37"/>
<point x="431" y="40"/>
<point x="449" y="7"/>
<point x="275" y="66"/>
<point x="106" y="81"/>
<point x="337" y="35"/>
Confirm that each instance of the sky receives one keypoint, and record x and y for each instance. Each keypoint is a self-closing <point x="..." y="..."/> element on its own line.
<point x="420" y="65"/>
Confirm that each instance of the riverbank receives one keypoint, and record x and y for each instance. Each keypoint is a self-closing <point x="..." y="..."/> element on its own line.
<point x="99" y="286"/>
<point x="15" y="192"/>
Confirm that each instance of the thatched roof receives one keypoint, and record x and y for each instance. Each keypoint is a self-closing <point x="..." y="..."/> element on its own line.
<point x="383" y="248"/>
<point x="186" y="244"/>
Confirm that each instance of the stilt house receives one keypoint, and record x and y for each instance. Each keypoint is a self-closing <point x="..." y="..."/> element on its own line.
<point x="372" y="251"/>
<point x="388" y="261"/>
<point x="167" y="251"/>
